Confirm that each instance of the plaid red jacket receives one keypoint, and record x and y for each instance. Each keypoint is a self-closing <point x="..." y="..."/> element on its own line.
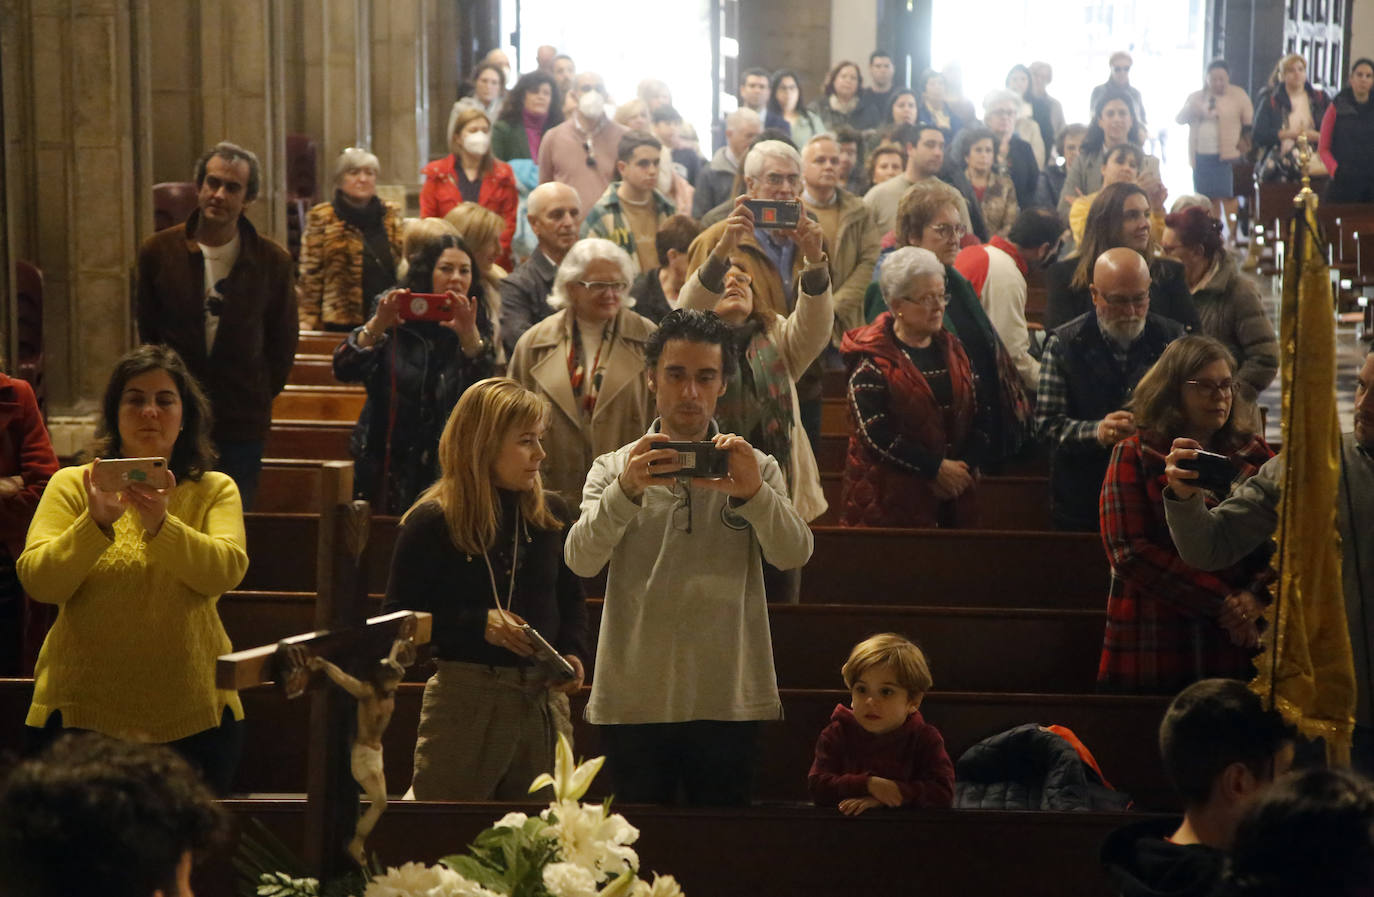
<point x="1161" y="630"/>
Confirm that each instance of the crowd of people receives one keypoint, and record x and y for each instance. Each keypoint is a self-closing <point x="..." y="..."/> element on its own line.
<point x="632" y="298"/>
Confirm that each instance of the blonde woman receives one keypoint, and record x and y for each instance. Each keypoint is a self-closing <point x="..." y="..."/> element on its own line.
<point x="350" y="247"/>
<point x="587" y="359"/>
<point x="471" y="174"/>
<point x="481" y="231"/>
<point x="482" y="550"/>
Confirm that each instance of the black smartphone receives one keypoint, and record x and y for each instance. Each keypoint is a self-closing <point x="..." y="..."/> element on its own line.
<point x="697" y="459"/>
<point x="775" y="214"/>
<point x="1215" y="473"/>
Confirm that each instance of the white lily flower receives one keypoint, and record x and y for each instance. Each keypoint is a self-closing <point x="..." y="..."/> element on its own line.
<point x="569" y="880"/>
<point x="569" y="780"/>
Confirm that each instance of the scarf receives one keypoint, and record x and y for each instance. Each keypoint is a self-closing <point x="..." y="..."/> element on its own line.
<point x="758" y="402"/>
<point x="534" y="130"/>
<point x="379" y="267"/>
<point x="586" y="378"/>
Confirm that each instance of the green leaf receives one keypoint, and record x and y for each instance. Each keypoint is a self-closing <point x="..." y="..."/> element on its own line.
<point x="474" y="870"/>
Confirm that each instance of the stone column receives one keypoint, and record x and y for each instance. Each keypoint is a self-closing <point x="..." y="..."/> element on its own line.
<point x="70" y="207"/>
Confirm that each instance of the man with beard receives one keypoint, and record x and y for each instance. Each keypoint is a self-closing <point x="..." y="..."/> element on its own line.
<point x="1211" y="539"/>
<point x="1087" y="373"/>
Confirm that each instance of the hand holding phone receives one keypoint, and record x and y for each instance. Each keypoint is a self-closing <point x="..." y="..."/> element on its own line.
<point x="774" y="214"/>
<point x="1215" y="473"/>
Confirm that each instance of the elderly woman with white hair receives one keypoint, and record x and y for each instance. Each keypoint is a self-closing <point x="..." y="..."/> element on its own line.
<point x="1020" y="148"/>
<point x="919" y="434"/>
<point x="587" y="360"/>
<point x="470" y="173"/>
<point x="350" y="247"/>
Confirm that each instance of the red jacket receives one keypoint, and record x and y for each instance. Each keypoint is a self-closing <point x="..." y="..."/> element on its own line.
<point x="440" y="194"/>
<point x="913" y="756"/>
<point x="876" y="492"/>
<point x="1162" y="633"/>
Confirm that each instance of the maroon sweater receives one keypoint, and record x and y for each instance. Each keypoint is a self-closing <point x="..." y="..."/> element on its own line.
<point x="913" y="756"/>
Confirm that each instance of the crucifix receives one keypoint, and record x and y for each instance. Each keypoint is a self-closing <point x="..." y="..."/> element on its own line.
<point x="366" y="655"/>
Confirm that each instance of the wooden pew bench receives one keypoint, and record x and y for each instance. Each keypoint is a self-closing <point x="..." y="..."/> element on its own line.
<point x="322" y="439"/>
<point x="1120" y="731"/>
<point x="970" y="649"/>
<point x="318" y="342"/>
<point x="1003" y="503"/>
<point x="796" y="851"/>
<point x="964" y="568"/>
<point x="294" y="484"/>
<point x="313" y="370"/>
<point x="332" y="403"/>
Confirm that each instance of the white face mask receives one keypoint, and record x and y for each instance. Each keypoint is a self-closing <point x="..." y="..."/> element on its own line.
<point x="591" y="104"/>
<point x="477" y="143"/>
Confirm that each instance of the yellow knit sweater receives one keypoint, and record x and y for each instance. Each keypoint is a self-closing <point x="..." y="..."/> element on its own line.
<point x="133" y="651"/>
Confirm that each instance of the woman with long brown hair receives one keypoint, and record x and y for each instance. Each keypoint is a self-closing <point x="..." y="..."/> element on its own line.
<point x="482" y="550"/>
<point x="1169" y="624"/>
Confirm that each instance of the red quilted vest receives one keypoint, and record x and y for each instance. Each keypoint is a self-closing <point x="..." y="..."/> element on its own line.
<point x="876" y="492"/>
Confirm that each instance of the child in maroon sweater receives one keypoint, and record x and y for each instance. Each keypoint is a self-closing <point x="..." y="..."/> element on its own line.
<point x="881" y="753"/>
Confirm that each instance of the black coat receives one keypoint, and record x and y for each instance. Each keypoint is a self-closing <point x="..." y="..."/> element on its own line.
<point x="1169" y="294"/>
<point x="425" y="366"/>
<point x="1030" y="768"/>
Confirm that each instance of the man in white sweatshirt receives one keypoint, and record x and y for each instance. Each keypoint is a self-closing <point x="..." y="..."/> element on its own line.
<point x="684" y="666"/>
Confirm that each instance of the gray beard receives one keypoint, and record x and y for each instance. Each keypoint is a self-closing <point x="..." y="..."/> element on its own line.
<point x="1122" y="333"/>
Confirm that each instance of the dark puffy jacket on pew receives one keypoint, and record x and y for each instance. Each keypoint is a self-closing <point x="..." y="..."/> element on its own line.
<point x="1031" y="767"/>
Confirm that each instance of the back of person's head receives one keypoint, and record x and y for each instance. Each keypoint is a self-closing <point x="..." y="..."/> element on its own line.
<point x="666" y="113"/>
<point x="96" y="817"/>
<point x="1196" y="229"/>
<point x="633" y="140"/>
<point x="1103" y="227"/>
<point x="1157" y="401"/>
<point x="1035" y="227"/>
<point x="743" y="115"/>
<point x="919" y="205"/>
<point x="1213" y="725"/>
<point x="910" y="135"/>
<point x="477" y="226"/>
<point x="693" y="326"/>
<point x="1123" y="152"/>
<point x="1190" y="201"/>
<point x="1310" y="835"/>
<point x="675" y="233"/>
<point x="906" y="660"/>
<point x="193" y="453"/>
<point x="845" y="134"/>
<point x="425" y="239"/>
<point x="486" y="416"/>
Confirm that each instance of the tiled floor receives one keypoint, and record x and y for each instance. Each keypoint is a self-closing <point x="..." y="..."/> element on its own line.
<point x="1350" y="352"/>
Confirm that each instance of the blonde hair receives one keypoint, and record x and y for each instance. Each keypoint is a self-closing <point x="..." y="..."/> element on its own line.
<point x="1284" y="64"/>
<point x="920" y="204"/>
<point x="628" y="110"/>
<point x="477" y="225"/>
<point x="472" y="440"/>
<point x="420" y="232"/>
<point x="907" y="660"/>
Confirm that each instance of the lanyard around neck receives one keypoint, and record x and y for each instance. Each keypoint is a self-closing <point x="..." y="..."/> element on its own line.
<point x="491" y="572"/>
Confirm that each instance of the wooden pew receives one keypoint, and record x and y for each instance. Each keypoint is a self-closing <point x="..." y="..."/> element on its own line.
<point x="965" y="568"/>
<point x="763" y="850"/>
<point x="835" y="416"/>
<point x="313" y="370"/>
<point x="1004" y="503"/>
<point x="295" y="484"/>
<point x="970" y="649"/>
<point x="318" y="342"/>
<point x="323" y="439"/>
<point x="326" y="403"/>
<point x="1120" y="731"/>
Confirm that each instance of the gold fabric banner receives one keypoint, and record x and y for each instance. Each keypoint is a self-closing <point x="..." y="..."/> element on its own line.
<point x="1305" y="664"/>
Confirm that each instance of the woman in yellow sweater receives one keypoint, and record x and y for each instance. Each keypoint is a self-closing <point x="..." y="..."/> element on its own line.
<point x="137" y="574"/>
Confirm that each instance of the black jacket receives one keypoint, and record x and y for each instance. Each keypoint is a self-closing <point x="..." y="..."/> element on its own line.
<point x="525" y="297"/>
<point x="650" y="300"/>
<point x="1025" y="173"/>
<point x="429" y="573"/>
<point x="1352" y="139"/>
<point x="1142" y="862"/>
<point x="429" y="371"/>
<point x="1030" y="768"/>
<point x="1096" y="387"/>
<point x="1169" y="296"/>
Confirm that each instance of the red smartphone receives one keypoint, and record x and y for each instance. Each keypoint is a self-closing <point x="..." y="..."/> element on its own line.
<point x="425" y="307"/>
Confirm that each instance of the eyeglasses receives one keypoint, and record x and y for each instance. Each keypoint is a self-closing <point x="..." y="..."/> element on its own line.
<point x="738" y="277"/>
<point x="603" y="286"/>
<point x="1213" y="387"/>
<point x="949" y="231"/>
<point x="1121" y="68"/>
<point x="591" y="158"/>
<point x="774" y="179"/>
<point x="1127" y="301"/>
<point x="929" y="300"/>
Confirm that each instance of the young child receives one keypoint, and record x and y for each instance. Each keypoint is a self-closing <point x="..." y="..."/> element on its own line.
<point x="881" y="753"/>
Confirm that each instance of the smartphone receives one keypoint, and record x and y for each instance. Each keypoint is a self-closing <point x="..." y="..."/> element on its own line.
<point x="698" y="459"/>
<point x="555" y="665"/>
<point x="114" y="474"/>
<point x="775" y="214"/>
<point x="1215" y="473"/>
<point x="426" y="307"/>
